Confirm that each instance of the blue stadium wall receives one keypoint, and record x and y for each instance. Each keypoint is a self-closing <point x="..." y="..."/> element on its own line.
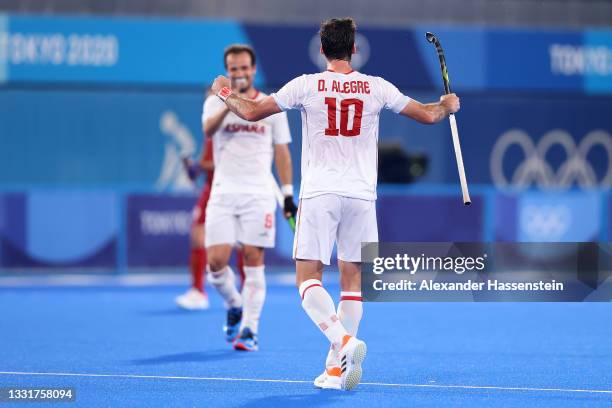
<point x="95" y="112"/>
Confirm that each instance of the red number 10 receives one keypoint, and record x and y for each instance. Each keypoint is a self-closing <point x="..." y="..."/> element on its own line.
<point x="332" y="129"/>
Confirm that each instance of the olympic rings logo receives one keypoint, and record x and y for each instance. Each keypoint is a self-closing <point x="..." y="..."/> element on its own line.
<point x="535" y="169"/>
<point x="545" y="222"/>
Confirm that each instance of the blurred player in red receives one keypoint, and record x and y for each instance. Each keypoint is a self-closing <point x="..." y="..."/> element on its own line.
<point x="196" y="298"/>
<point x="243" y="199"/>
<point x="340" y="112"/>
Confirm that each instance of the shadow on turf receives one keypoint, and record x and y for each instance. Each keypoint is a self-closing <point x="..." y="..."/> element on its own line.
<point x="194" y="356"/>
<point x="317" y="398"/>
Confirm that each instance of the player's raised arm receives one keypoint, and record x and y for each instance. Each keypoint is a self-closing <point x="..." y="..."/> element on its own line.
<point x="429" y="113"/>
<point x="212" y="115"/>
<point x="426" y="113"/>
<point x="246" y="109"/>
<point x="211" y="124"/>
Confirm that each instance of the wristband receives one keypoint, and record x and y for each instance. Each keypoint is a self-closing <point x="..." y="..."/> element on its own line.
<point x="287" y="189"/>
<point x="224" y="93"/>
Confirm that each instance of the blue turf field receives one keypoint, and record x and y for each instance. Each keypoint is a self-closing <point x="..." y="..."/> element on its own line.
<point x="416" y="352"/>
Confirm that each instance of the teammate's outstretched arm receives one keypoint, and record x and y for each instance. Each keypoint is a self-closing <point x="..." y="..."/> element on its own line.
<point x="246" y="109"/>
<point x="430" y="113"/>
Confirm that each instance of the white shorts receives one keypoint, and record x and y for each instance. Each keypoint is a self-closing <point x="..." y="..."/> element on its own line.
<point x="240" y="218"/>
<point x="329" y="218"/>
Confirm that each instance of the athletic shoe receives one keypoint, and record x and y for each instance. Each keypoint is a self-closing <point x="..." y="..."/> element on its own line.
<point x="352" y="354"/>
<point x="232" y="327"/>
<point x="193" y="299"/>
<point x="330" y="379"/>
<point x="247" y="341"/>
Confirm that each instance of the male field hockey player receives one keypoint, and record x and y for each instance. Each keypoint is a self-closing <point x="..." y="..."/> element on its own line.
<point x="340" y="109"/>
<point x="242" y="201"/>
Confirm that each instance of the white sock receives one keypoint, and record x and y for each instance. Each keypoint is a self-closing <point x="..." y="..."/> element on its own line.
<point x="350" y="310"/>
<point x="253" y="296"/>
<point x="224" y="281"/>
<point x="319" y="306"/>
<point x="332" y="359"/>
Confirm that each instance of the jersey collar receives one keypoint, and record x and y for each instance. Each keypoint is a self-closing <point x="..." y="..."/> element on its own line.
<point x="344" y="73"/>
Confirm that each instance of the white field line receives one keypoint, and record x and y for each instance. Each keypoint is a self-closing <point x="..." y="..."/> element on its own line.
<point x="264" y="380"/>
<point x="127" y="280"/>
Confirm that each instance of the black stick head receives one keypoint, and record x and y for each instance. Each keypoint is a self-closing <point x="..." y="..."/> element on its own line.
<point x="430" y="37"/>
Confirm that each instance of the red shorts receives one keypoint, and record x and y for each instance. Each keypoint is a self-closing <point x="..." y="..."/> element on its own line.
<point x="199" y="211"/>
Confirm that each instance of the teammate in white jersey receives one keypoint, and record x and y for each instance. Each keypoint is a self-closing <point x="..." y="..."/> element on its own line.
<point x="340" y="110"/>
<point x="242" y="200"/>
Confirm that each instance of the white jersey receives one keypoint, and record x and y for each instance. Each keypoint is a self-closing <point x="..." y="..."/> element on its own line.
<point x="243" y="151"/>
<point x="340" y="130"/>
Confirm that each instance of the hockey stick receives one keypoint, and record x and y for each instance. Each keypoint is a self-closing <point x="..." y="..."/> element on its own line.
<point x="281" y="202"/>
<point x="453" y="122"/>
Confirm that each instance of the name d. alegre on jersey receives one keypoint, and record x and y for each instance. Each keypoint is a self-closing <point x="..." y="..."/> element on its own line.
<point x="352" y="87"/>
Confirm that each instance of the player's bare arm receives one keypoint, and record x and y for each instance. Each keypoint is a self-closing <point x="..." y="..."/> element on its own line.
<point x="207" y="165"/>
<point x="246" y="109"/>
<point x="430" y="113"/>
<point x="282" y="160"/>
<point x="206" y="161"/>
<point x="212" y="124"/>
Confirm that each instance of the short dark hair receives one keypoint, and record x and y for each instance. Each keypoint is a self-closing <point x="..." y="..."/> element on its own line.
<point x="237" y="49"/>
<point x="338" y="38"/>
